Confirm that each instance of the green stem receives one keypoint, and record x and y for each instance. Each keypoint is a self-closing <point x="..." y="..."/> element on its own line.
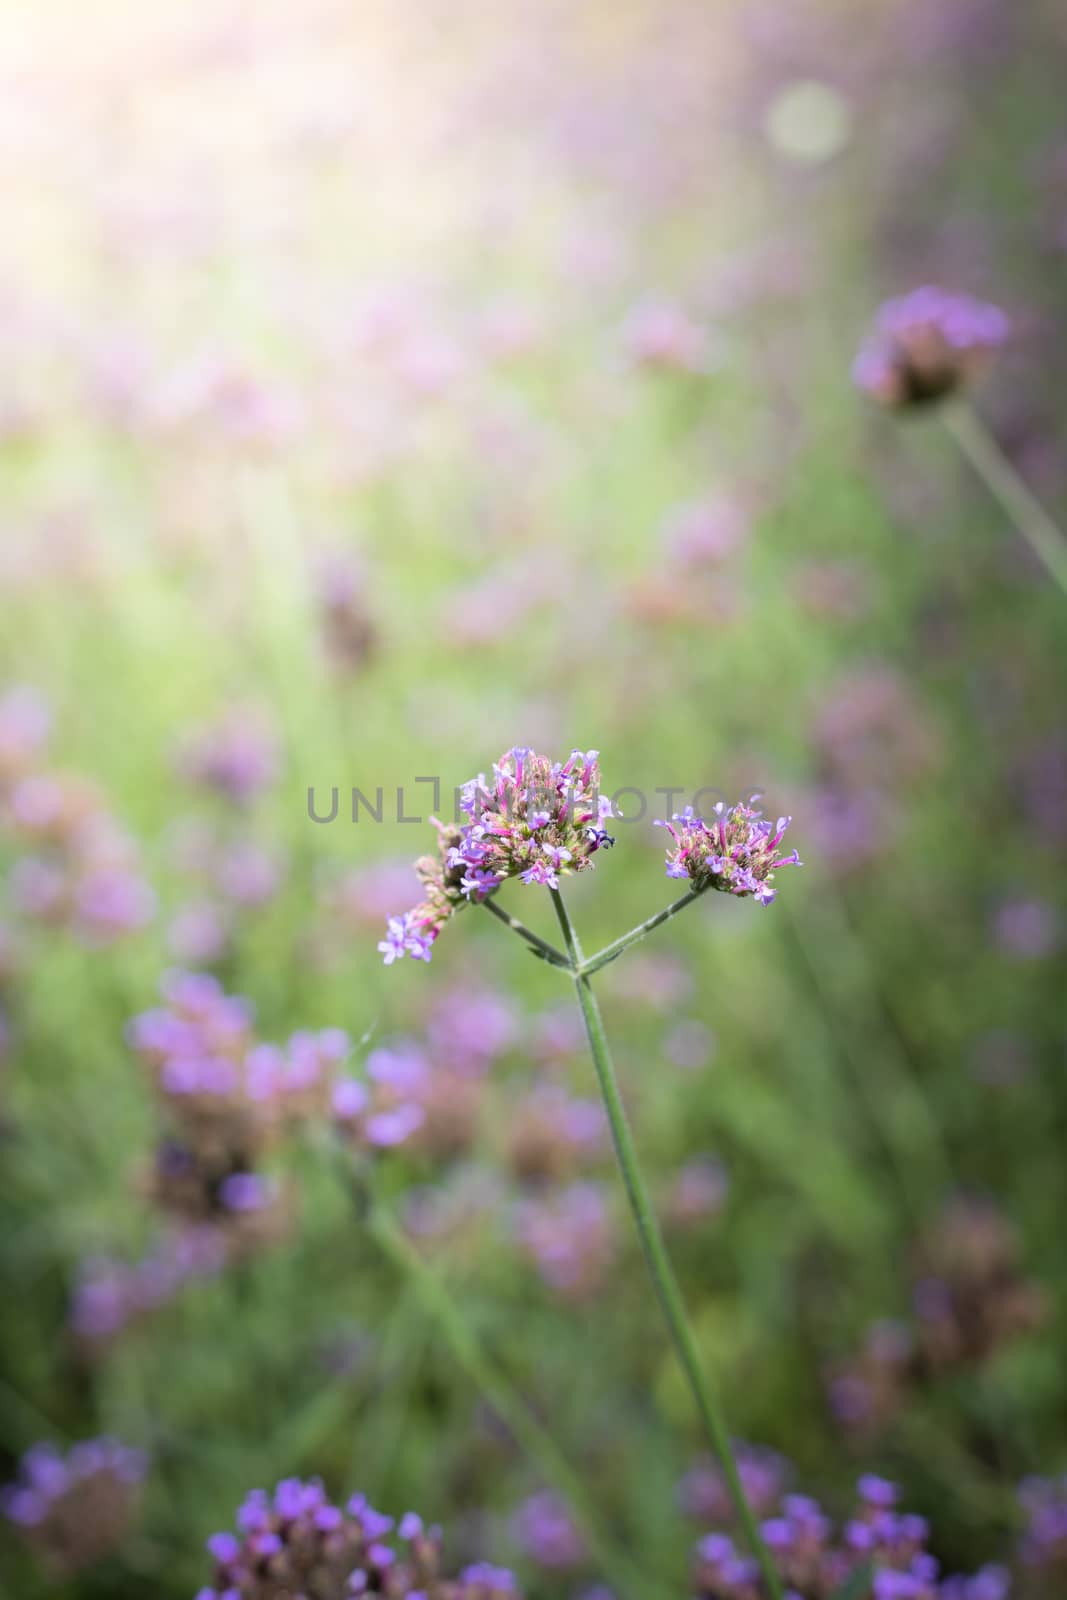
<point x="539" y="946"/>
<point x="612" y="951"/>
<point x="659" y="1265"/>
<point x="1006" y="486"/>
<point x="509" y="1406"/>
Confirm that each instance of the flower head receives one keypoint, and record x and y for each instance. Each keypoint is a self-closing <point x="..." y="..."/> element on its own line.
<point x="737" y="852"/>
<point x="927" y="345"/>
<point x="297" y="1541"/>
<point x="814" y="1558"/>
<point x="532" y="819"/>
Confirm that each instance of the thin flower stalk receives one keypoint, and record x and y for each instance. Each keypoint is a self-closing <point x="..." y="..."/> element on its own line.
<point x="659" y="1264"/>
<point x="1011" y="492"/>
<point x="611" y="952"/>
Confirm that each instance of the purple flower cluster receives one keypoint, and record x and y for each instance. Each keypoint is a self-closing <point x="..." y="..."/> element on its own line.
<point x="545" y="1529"/>
<point x="971" y="1299"/>
<point x="297" y="1541"/>
<point x="972" y="1296"/>
<point x="570" y="1235"/>
<point x="813" y="1559"/>
<point x="224" y="878"/>
<point x="74" y="1508"/>
<point x="110" y="1294"/>
<point x="349" y="634"/>
<point x="1044" y="1545"/>
<point x="533" y="820"/>
<point x="235" y="756"/>
<point x="928" y="344"/>
<point x="660" y="335"/>
<point x="228" y="1097"/>
<point x="207" y="1063"/>
<point x="390" y="1106"/>
<point x="703" y="1492"/>
<point x="80" y="868"/>
<point x="699" y="1191"/>
<point x="736" y="853"/>
<point x="429" y="1091"/>
<point x="551" y="1133"/>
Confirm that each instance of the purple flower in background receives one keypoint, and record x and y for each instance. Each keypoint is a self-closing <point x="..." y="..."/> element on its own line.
<point x="110" y="902"/>
<point x="237" y="756"/>
<point x="246" y="1191"/>
<point x="703" y="1493"/>
<point x="544" y="1528"/>
<point x="814" y="1558"/>
<point x="700" y="1190"/>
<point x="551" y="1133"/>
<point x="1044" y="1543"/>
<point x="469" y="1026"/>
<point x="25" y="724"/>
<point x="570" y="1234"/>
<point x="1027" y="929"/>
<point x="74" y="1509"/>
<point x="705" y="532"/>
<point x="349" y="632"/>
<point x="659" y="334"/>
<point x="927" y="345"/>
<point x="109" y="1294"/>
<point x="199" y="933"/>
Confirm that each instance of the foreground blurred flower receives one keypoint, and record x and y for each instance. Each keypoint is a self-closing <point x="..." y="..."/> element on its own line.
<point x="534" y="819"/>
<point x="297" y="1542"/>
<point x="737" y="853"/>
<point x="814" y="1561"/>
<point x="927" y="345"/>
<point x="75" y="1508"/>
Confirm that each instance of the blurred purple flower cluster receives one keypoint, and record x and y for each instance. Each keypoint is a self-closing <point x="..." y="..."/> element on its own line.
<point x="1044" y="1543"/>
<point x="110" y="1294"/>
<point x="571" y="1236"/>
<point x="74" y="1509"/>
<point x="227" y="1098"/>
<point x="927" y="345"/>
<point x="77" y="866"/>
<point x="813" y="1559"/>
<point x="971" y="1299"/>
